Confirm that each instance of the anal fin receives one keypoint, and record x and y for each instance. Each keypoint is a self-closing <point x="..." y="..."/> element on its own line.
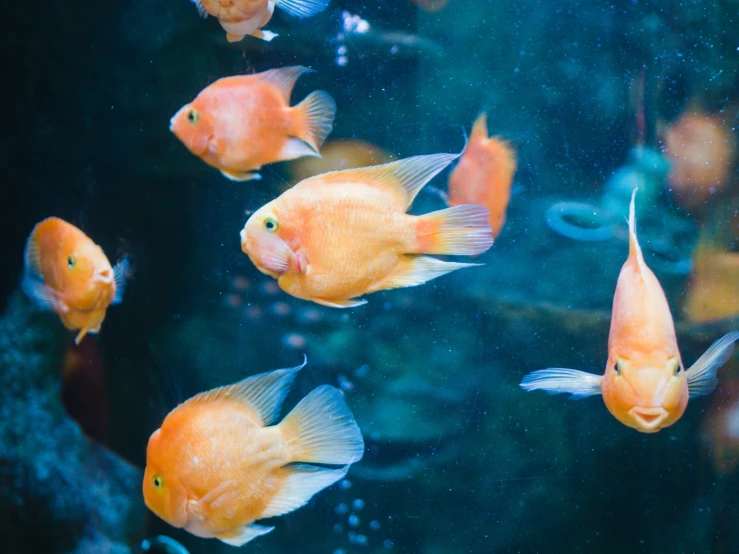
<point x="296" y="148"/>
<point x="244" y="176"/>
<point x="301" y="482"/>
<point x="340" y="303"/>
<point x="243" y="535"/>
<point x="266" y="36"/>
<point x="416" y="270"/>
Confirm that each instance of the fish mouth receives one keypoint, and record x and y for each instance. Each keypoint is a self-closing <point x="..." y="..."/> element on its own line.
<point x="649" y="419"/>
<point x="104" y="275"/>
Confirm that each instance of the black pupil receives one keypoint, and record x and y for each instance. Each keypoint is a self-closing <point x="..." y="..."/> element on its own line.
<point x="270" y="225"/>
<point x="678" y="369"/>
<point x="70" y="261"/>
<point x="615" y="367"/>
<point x="191" y="116"/>
<point x="157" y="482"/>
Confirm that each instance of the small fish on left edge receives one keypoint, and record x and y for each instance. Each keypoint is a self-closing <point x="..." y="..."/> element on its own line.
<point x="645" y="385"/>
<point x="220" y="460"/>
<point x="247" y="17"/>
<point x="67" y="273"/>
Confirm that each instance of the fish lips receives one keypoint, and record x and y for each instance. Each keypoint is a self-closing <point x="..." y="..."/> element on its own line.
<point x="269" y="253"/>
<point x="649" y="419"/>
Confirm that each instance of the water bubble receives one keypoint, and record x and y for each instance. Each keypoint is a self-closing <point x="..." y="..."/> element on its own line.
<point x="345" y="484"/>
<point x="341" y="50"/>
<point x="358" y="504"/>
<point x="342" y="509"/>
<point x="341" y="61"/>
<point x="361" y="540"/>
<point x="338" y="528"/>
<point x="354" y="520"/>
<point x="388" y="543"/>
<point x="293" y="340"/>
<point x="375" y="525"/>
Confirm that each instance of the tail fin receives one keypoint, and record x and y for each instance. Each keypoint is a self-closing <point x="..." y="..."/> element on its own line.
<point x="314" y="118"/>
<point x="322" y="430"/>
<point x="461" y="230"/>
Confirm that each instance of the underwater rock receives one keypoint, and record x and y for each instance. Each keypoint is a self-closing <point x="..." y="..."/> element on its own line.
<point x="61" y="491"/>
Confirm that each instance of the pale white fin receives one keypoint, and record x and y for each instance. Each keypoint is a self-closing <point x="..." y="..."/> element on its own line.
<point x="32" y="257"/>
<point x="340" y="303"/>
<point x="219" y="498"/>
<point x="634" y="248"/>
<point x="43" y="296"/>
<point x="296" y="148"/>
<point x="263" y="392"/>
<point x="266" y="36"/>
<point x="239" y="177"/>
<point x="702" y="374"/>
<point x="461" y="231"/>
<point x="405" y="177"/>
<point x="244" y="534"/>
<point x="556" y="380"/>
<point x="201" y="10"/>
<point x="302" y="8"/>
<point x="121" y="272"/>
<point x="416" y="270"/>
<point x="313" y="118"/>
<point x="284" y="78"/>
<point x="81" y="335"/>
<point x="322" y="430"/>
<point x="300" y="484"/>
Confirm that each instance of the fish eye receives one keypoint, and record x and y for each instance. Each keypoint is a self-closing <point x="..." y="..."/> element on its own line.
<point x="193" y="116"/>
<point x="71" y="261"/>
<point x="678" y="369"/>
<point x="617" y="368"/>
<point x="157" y="482"/>
<point x="270" y="224"/>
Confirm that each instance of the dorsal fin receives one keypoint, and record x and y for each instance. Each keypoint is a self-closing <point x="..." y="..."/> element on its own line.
<point x="634" y="248"/>
<point x="404" y="177"/>
<point x="284" y="78"/>
<point x="263" y="393"/>
<point x="480" y="128"/>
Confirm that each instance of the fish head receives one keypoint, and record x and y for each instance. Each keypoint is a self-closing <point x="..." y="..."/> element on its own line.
<point x="84" y="272"/>
<point x="194" y="128"/>
<point x="265" y="238"/>
<point x="647" y="393"/>
<point x="163" y="493"/>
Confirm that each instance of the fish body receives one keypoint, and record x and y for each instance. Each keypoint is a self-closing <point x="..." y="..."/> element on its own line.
<point x="336" y="236"/>
<point x="238" y="124"/>
<point x="484" y="174"/>
<point x="645" y="385"/>
<point x="218" y="462"/>
<point x="66" y="272"/>
<point x="248" y="17"/>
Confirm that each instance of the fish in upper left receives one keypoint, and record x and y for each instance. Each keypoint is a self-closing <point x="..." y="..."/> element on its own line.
<point x="66" y="272"/>
<point x="219" y="462"/>
<point x="247" y="17"/>
<point x="238" y="124"/>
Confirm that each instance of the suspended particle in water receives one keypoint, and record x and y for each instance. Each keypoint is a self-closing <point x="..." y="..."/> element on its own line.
<point x="233" y="300"/>
<point x="361" y="540"/>
<point x="280" y="309"/>
<point x="269" y="288"/>
<point x="341" y="61"/>
<point x="309" y="315"/>
<point x="358" y="504"/>
<point x="240" y="283"/>
<point x="339" y="551"/>
<point x="361" y="371"/>
<point x="293" y="340"/>
<point x="253" y="313"/>
<point x="387" y="543"/>
<point x="342" y="509"/>
<point x="338" y="528"/>
<point x="345" y="384"/>
<point x="345" y="484"/>
<point x="354" y="520"/>
<point x="375" y="525"/>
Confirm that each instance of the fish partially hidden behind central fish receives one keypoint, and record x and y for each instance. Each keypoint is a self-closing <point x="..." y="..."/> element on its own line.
<point x="66" y="272"/>
<point x="247" y="17"/>
<point x="484" y="174"/>
<point x="238" y="124"/>
<point x="339" y="235"/>
<point x="218" y="463"/>
<point x="644" y="385"/>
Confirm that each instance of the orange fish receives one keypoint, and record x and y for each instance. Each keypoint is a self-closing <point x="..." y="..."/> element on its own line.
<point x="337" y="155"/>
<point x="219" y="463"/>
<point x="69" y="274"/>
<point x="484" y="174"/>
<point x="247" y="17"/>
<point x="713" y="290"/>
<point x="343" y="234"/>
<point x="720" y="428"/>
<point x="644" y="385"/>
<point x="238" y="124"/>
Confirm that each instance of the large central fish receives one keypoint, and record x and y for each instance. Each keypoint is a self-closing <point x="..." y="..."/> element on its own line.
<point x="337" y="236"/>
<point x="645" y="385"/>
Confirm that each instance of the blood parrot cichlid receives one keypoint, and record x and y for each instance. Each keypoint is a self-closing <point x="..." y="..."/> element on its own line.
<point x="238" y="124"/>
<point x="484" y="174"/>
<point x="66" y="272"/>
<point x="247" y="17"/>
<point x="339" y="235"/>
<point x="645" y="385"/>
<point x="219" y="463"/>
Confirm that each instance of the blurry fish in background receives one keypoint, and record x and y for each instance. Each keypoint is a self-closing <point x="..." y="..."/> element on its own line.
<point x="702" y="150"/>
<point x="432" y="6"/>
<point x="713" y="288"/>
<point x="218" y="463"/>
<point x="84" y="394"/>
<point x="247" y="17"/>
<point x="67" y="273"/>
<point x="337" y="236"/>
<point x="645" y="385"/>
<point x="484" y="174"/>
<point x="162" y="544"/>
<point x="238" y="124"/>
<point x="720" y="428"/>
<point x="338" y="155"/>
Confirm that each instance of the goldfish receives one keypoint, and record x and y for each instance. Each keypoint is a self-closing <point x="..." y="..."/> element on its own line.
<point x="247" y="17"/>
<point x="337" y="155"/>
<point x="67" y="273"/>
<point x="238" y="124"/>
<point x="342" y="234"/>
<point x="219" y="463"/>
<point x="645" y="385"/>
<point x="713" y="289"/>
<point x="484" y="174"/>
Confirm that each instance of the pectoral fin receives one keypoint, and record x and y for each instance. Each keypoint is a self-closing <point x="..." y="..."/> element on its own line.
<point x="243" y="535"/>
<point x="702" y="374"/>
<point x="224" y="498"/>
<point x="556" y="380"/>
<point x="42" y="295"/>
